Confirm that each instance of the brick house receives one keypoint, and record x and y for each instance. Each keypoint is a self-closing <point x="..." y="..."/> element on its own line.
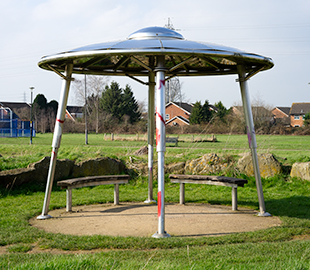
<point x="298" y="112"/>
<point x="281" y="115"/>
<point x="178" y="121"/>
<point x="178" y="113"/>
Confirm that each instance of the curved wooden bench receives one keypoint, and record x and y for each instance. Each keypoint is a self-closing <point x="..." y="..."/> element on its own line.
<point x="91" y="181"/>
<point x="234" y="183"/>
<point x="174" y="140"/>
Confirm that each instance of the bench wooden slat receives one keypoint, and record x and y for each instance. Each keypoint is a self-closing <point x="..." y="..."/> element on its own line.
<point x="174" y="140"/>
<point x="94" y="183"/>
<point x="205" y="182"/>
<point x="89" y="181"/>
<point x="94" y="180"/>
<point x="234" y="183"/>
<point x="181" y="177"/>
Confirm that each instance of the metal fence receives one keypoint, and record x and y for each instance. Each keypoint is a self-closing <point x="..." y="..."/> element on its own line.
<point x="15" y="128"/>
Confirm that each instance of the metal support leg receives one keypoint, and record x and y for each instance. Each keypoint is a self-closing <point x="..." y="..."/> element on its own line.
<point x="234" y="199"/>
<point x="56" y="139"/>
<point x="69" y="200"/>
<point x="251" y="138"/>
<point x="150" y="131"/>
<point x="160" y="145"/>
<point x="182" y="193"/>
<point x="116" y="194"/>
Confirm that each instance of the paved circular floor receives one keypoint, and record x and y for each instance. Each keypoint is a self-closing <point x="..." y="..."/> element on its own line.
<point x="139" y="219"/>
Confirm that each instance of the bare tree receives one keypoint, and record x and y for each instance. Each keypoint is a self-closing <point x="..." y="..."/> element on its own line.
<point x="174" y="91"/>
<point x="23" y="113"/>
<point x="95" y="85"/>
<point x="51" y="119"/>
<point x="262" y="116"/>
<point x="142" y="106"/>
<point x="41" y="120"/>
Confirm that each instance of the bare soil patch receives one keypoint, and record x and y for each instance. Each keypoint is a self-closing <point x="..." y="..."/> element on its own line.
<point x="139" y="219"/>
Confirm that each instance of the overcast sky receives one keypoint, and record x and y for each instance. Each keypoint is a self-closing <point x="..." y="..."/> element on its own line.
<point x="279" y="29"/>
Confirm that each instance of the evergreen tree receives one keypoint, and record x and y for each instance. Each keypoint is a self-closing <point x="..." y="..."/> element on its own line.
<point x="119" y="102"/>
<point x="38" y="112"/>
<point x="44" y="113"/>
<point x="130" y="105"/>
<point x="221" y="110"/>
<point x="197" y="115"/>
<point x="40" y="102"/>
<point x="207" y="113"/>
<point x="53" y="105"/>
<point x="112" y="100"/>
<point x="307" y="119"/>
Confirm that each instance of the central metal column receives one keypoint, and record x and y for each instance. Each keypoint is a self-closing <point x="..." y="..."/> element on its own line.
<point x="160" y="144"/>
<point x="251" y="138"/>
<point x="150" y="139"/>
<point x="56" y="139"/>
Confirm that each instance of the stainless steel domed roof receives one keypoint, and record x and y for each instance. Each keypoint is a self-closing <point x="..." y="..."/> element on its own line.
<point x="135" y="56"/>
<point x="154" y="32"/>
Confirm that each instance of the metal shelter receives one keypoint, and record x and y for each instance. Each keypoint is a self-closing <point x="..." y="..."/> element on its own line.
<point x="161" y="53"/>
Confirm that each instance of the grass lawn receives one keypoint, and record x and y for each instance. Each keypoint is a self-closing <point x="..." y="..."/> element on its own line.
<point x="283" y="247"/>
<point x="17" y="153"/>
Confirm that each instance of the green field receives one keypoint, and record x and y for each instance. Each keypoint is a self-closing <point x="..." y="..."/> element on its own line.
<point x="17" y="152"/>
<point x="283" y="247"/>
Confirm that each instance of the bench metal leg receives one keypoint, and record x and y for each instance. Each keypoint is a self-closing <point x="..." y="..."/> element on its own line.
<point x="182" y="193"/>
<point x="234" y="200"/>
<point x="116" y="194"/>
<point x="69" y="200"/>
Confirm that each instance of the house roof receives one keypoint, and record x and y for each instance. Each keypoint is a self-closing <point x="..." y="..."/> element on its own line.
<point x="285" y="110"/>
<point x="75" y="109"/>
<point x="183" y="119"/>
<point x="237" y="109"/>
<point x="213" y="108"/>
<point x="260" y="110"/>
<point x="300" y="108"/>
<point x="184" y="106"/>
<point x="16" y="108"/>
<point x="255" y="110"/>
<point x="14" y="105"/>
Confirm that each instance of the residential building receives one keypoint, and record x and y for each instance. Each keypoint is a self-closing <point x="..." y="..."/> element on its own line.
<point x="237" y="110"/>
<point x="298" y="112"/>
<point x="74" y="112"/>
<point x="258" y="112"/>
<point x="261" y="115"/>
<point x="178" y="121"/>
<point x="14" y="119"/>
<point x="281" y="115"/>
<point x="20" y="110"/>
<point x="178" y="113"/>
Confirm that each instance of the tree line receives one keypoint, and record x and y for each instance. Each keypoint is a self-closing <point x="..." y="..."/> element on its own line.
<point x="111" y="108"/>
<point x="202" y="114"/>
<point x="44" y="114"/>
<point x="106" y="106"/>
